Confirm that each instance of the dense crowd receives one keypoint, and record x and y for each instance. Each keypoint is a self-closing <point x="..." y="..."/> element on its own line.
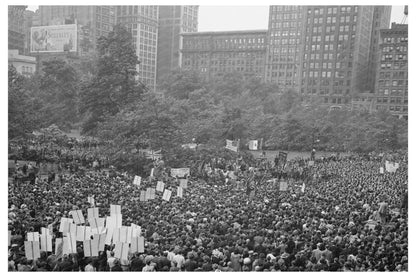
<point x="348" y="217"/>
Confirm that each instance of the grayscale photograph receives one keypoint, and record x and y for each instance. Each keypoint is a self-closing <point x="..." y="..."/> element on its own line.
<point x="207" y="138"/>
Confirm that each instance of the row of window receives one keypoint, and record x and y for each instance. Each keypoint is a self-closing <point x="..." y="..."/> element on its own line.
<point x="393" y="108"/>
<point x="393" y="91"/>
<point x="394" y="83"/>
<point x="395" y="75"/>
<point x="396" y="65"/>
<point x="391" y="48"/>
<point x="394" y="39"/>
<point x="396" y="57"/>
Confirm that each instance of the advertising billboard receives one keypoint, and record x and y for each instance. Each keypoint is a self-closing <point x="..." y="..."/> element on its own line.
<point x="58" y="38"/>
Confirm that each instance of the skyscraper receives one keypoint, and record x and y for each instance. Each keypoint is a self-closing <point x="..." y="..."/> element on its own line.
<point x="322" y="51"/>
<point x="142" y="22"/>
<point x="173" y="20"/>
<point x="381" y="20"/>
<point x="392" y="70"/>
<point x="284" y="46"/>
<point x="16" y="30"/>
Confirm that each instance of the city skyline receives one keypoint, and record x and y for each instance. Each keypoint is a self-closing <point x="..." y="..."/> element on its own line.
<point x="258" y="14"/>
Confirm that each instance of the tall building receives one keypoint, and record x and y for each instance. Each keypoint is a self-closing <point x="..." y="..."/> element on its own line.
<point x="392" y="70"/>
<point x="336" y="52"/>
<point x="93" y="21"/>
<point x="16" y="28"/>
<point x="214" y="54"/>
<point x="324" y="51"/>
<point x="142" y="22"/>
<point x="173" y="20"/>
<point x="25" y="65"/>
<point x="284" y="46"/>
<point x="381" y="20"/>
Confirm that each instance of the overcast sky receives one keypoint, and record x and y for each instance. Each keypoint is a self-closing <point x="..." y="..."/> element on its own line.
<point x="229" y="18"/>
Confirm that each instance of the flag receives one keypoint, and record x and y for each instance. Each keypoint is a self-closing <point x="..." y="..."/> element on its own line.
<point x="32" y="251"/>
<point x="166" y="195"/>
<point x="151" y="154"/>
<point x="253" y="145"/>
<point x="232" y="145"/>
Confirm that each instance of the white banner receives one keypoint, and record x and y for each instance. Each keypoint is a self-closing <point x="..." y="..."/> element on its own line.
<point x="32" y="251"/>
<point x="253" y="145"/>
<point x="137" y="180"/>
<point x="160" y="186"/>
<point x="77" y="216"/>
<point x="180" y="192"/>
<point x="283" y="186"/>
<point x="180" y="172"/>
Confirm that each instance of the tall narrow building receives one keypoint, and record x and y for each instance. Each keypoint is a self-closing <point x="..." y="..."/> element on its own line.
<point x="142" y="22"/>
<point x="392" y="70"/>
<point x="381" y="20"/>
<point x="284" y="46"/>
<point x="16" y="30"/>
<point x="173" y="20"/>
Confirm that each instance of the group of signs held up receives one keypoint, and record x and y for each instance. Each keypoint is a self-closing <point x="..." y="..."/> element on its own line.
<point x="150" y="193"/>
<point x="99" y="232"/>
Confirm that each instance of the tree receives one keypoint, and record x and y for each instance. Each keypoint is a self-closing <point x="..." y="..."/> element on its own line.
<point x="59" y="93"/>
<point x="19" y="115"/>
<point x="114" y="84"/>
<point x="179" y="84"/>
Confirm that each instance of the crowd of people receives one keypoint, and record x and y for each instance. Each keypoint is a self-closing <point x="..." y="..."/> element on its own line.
<point x="347" y="217"/>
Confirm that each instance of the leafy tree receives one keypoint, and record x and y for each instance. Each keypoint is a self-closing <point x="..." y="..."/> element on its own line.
<point x="179" y="84"/>
<point x="114" y="84"/>
<point x="59" y="93"/>
<point x="19" y="123"/>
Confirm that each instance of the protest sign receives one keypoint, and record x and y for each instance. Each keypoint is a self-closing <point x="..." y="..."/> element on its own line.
<point x="137" y="180"/>
<point x="303" y="188"/>
<point x="114" y="221"/>
<point x="83" y="233"/>
<point x="381" y="170"/>
<point x="96" y="223"/>
<point x="137" y="245"/>
<point x="10" y="237"/>
<point x="151" y="172"/>
<point x="180" y="192"/>
<point x="98" y="242"/>
<point x="32" y="251"/>
<point x="283" y="186"/>
<point x="311" y="163"/>
<point x="121" y="250"/>
<point x="46" y="241"/>
<point x="179" y="172"/>
<point x="152" y="193"/>
<point x="232" y="145"/>
<point x="142" y="196"/>
<point x="58" y="247"/>
<point x="109" y="236"/>
<point x="148" y="193"/>
<point x="33" y="236"/>
<point x="77" y="216"/>
<point x="115" y="209"/>
<point x="69" y="244"/>
<point x="136" y="230"/>
<point x="183" y="183"/>
<point x="253" y="145"/>
<point x="160" y="186"/>
<point x="166" y="195"/>
<point x="282" y="158"/>
<point x="91" y="200"/>
<point x="92" y="213"/>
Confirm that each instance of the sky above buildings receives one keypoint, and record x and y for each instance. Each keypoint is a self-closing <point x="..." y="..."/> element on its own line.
<point x="229" y="18"/>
